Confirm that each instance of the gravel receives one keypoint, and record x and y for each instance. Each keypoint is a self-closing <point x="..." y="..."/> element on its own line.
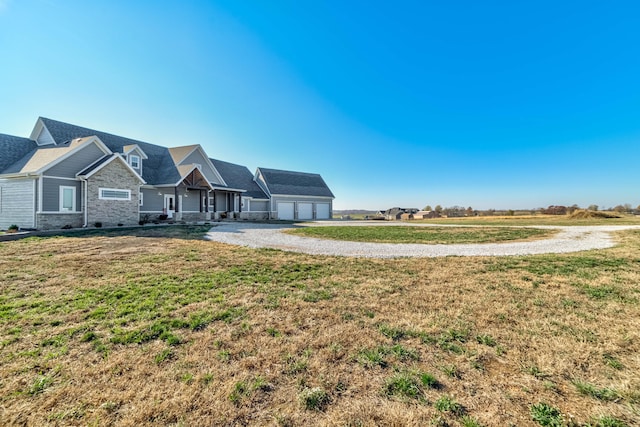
<point x="258" y="235"/>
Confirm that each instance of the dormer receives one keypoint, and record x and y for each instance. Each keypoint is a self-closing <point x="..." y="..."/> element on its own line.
<point x="41" y="135"/>
<point x="134" y="155"/>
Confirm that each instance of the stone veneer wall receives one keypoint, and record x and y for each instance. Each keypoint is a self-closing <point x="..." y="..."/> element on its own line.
<point x="113" y="212"/>
<point x="254" y="216"/>
<point x="55" y="221"/>
<point x="194" y="216"/>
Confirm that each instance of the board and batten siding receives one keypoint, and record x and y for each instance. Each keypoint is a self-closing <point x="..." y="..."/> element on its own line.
<point x="16" y="203"/>
<point x="68" y="168"/>
<point x="51" y="193"/>
<point x="196" y="157"/>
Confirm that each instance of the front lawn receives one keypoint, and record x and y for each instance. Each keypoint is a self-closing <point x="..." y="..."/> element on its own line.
<point x="428" y="235"/>
<point x="132" y="328"/>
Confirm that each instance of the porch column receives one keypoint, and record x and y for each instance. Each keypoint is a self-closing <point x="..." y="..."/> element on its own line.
<point x="240" y="202"/>
<point x="176" y="200"/>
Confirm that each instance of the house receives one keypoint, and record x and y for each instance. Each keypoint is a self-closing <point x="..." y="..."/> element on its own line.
<point x="68" y="175"/>
<point x="295" y="195"/>
<point x="425" y="215"/>
<point x="397" y="213"/>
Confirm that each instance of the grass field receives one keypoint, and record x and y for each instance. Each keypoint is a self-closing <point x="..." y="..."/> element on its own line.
<point x="155" y="326"/>
<point x="535" y="220"/>
<point x="431" y="235"/>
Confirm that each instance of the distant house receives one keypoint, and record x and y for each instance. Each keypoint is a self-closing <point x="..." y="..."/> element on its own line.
<point x="296" y="195"/>
<point x="396" y="213"/>
<point x="67" y="175"/>
<point x="425" y="215"/>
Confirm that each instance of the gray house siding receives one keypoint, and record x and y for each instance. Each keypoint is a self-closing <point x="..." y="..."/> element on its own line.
<point x="258" y="205"/>
<point x="68" y="168"/>
<point x="51" y="193"/>
<point x="221" y="202"/>
<point x="191" y="202"/>
<point x="151" y="201"/>
<point x="196" y="157"/>
<point x="16" y="203"/>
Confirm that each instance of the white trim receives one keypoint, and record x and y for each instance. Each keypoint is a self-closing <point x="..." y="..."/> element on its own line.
<point x="59" y="213"/>
<point x="62" y="189"/>
<point x="140" y="198"/>
<point x="195" y="166"/>
<point x="59" y="177"/>
<point x="134" y="147"/>
<point x="35" y="202"/>
<point x="122" y="190"/>
<point x="297" y="196"/>
<point x="113" y="157"/>
<point x="206" y="159"/>
<point x="150" y="212"/>
<point x="138" y="159"/>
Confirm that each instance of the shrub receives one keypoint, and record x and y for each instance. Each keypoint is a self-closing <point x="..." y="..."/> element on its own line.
<point x="13" y="228"/>
<point x="546" y="415"/>
<point x="98" y="224"/>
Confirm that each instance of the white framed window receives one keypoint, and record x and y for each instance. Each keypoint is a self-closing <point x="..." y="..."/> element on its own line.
<point x="140" y="198"/>
<point x="67" y="199"/>
<point x="113" y="194"/>
<point x="134" y="161"/>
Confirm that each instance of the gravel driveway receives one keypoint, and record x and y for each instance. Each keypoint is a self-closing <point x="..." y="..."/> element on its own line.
<point x="257" y="235"/>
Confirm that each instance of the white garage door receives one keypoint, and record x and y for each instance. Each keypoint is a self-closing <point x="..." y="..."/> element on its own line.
<point x="322" y="211"/>
<point x="285" y="210"/>
<point x="305" y="210"/>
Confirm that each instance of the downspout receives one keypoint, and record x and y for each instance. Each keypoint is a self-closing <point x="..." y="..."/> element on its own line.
<point x="86" y="200"/>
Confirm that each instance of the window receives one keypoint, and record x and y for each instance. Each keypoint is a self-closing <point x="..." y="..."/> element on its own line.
<point x="67" y="199"/>
<point x="114" y="194"/>
<point x="140" y="198"/>
<point x="134" y="161"/>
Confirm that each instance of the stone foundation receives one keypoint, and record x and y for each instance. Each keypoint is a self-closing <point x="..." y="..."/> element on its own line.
<point x="57" y="221"/>
<point x="254" y="216"/>
<point x="194" y="216"/>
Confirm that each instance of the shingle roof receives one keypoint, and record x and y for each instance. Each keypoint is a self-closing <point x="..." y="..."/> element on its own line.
<point x="43" y="156"/>
<point x="158" y="169"/>
<point x="295" y="183"/>
<point x="14" y="148"/>
<point x="238" y="176"/>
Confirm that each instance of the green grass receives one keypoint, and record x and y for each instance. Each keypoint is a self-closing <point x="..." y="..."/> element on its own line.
<point x="215" y="328"/>
<point x="430" y="235"/>
<point x="546" y="415"/>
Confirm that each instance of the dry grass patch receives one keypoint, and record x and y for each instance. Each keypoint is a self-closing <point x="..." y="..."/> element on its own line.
<point x="133" y="329"/>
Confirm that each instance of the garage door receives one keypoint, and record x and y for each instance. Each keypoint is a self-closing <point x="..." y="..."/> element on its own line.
<point x="285" y="210"/>
<point x="322" y="211"/>
<point x="305" y="210"/>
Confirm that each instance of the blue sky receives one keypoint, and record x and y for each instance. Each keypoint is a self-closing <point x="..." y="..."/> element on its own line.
<point x="493" y="104"/>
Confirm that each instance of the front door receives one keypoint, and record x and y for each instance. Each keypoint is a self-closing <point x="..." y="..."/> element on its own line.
<point x="169" y="205"/>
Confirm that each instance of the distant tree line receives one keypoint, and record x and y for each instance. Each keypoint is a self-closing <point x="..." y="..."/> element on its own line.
<point x="460" y="211"/>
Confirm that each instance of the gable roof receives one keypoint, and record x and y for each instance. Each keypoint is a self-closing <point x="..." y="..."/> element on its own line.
<point x="14" y="148"/>
<point x="43" y="158"/>
<point x="238" y="176"/>
<point x="294" y="183"/>
<point x="158" y="169"/>
<point x="104" y="161"/>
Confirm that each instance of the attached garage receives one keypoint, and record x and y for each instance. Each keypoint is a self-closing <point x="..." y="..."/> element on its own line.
<point x="323" y="211"/>
<point x="305" y="210"/>
<point x="285" y="210"/>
